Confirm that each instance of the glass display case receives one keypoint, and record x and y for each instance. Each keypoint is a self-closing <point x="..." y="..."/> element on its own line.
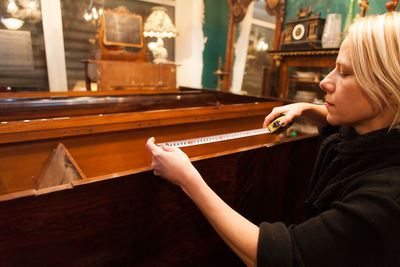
<point x="301" y="71"/>
<point x="303" y="83"/>
<point x="297" y="79"/>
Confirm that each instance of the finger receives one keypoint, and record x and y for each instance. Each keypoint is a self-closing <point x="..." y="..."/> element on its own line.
<point x="287" y="119"/>
<point x="270" y="118"/>
<point x="150" y="141"/>
<point x="151" y="147"/>
<point x="168" y="148"/>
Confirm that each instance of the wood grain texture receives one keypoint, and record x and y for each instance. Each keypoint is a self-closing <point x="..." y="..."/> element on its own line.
<point x="142" y="220"/>
<point x="106" y="134"/>
<point x="113" y="75"/>
<point x="123" y="215"/>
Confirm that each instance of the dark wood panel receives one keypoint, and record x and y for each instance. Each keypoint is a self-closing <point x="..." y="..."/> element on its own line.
<point x="142" y="220"/>
<point x="273" y="182"/>
<point x="120" y="214"/>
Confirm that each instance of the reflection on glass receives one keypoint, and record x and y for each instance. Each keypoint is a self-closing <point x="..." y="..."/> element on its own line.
<point x="22" y="52"/>
<point x="81" y="32"/>
<point x="260" y="40"/>
<point x="304" y="82"/>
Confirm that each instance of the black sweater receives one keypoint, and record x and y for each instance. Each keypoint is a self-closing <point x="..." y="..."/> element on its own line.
<point x="353" y="211"/>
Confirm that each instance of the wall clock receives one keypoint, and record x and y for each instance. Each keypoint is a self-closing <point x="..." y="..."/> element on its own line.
<point x="303" y="32"/>
<point x="298" y="31"/>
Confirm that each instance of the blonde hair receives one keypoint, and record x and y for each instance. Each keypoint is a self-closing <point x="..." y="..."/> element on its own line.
<point x="375" y="56"/>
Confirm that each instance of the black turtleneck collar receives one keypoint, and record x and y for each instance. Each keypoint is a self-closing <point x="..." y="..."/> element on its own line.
<point x="353" y="143"/>
<point x="345" y="155"/>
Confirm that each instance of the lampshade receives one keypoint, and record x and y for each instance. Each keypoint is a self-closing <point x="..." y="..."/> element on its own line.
<point x="27" y="10"/>
<point x="159" y="25"/>
<point x="12" y="24"/>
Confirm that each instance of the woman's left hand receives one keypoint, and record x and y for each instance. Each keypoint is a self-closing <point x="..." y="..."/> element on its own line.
<point x="172" y="164"/>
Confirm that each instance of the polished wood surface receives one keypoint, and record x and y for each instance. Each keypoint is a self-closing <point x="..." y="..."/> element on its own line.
<point x="106" y="135"/>
<point x="143" y="220"/>
<point x="24" y="106"/>
<point x="119" y="213"/>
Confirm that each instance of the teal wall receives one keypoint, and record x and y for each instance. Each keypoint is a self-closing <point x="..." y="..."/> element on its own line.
<point x="215" y="29"/>
<point x="332" y="6"/>
<point x="216" y="20"/>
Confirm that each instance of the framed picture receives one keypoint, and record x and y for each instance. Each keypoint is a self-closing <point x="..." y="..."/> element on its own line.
<point x="122" y="29"/>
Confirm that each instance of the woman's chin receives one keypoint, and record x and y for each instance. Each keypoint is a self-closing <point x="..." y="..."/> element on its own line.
<point x="333" y="121"/>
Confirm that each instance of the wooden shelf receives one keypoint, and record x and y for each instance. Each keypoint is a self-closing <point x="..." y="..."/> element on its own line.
<point x="322" y="58"/>
<point x="304" y="80"/>
<point x="309" y="52"/>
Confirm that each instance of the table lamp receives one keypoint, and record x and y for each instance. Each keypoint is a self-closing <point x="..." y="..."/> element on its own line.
<point x="159" y="25"/>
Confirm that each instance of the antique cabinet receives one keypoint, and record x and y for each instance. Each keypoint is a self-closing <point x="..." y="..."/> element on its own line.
<point x="118" y="74"/>
<point x="300" y="72"/>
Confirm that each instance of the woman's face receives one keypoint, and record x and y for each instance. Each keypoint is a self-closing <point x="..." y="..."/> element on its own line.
<point x="346" y="103"/>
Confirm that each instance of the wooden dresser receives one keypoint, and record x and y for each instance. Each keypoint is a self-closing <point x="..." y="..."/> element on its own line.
<point x="116" y="75"/>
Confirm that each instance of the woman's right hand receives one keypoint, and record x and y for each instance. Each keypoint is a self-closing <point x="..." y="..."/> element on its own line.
<point x="290" y="112"/>
<point x="312" y="112"/>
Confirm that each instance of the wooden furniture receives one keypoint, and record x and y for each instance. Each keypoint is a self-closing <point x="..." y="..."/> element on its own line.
<point x="114" y="75"/>
<point x="276" y="8"/>
<point x="105" y="134"/>
<point x="320" y="61"/>
<point x="122" y="29"/>
<point x="305" y="32"/>
<point x="113" y="67"/>
<point x="118" y="29"/>
<point x="118" y="212"/>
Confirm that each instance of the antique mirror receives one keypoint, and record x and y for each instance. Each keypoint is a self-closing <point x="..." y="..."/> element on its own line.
<point x="265" y="28"/>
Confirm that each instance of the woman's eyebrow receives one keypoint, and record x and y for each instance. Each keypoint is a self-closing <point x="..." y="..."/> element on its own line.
<point x="343" y="62"/>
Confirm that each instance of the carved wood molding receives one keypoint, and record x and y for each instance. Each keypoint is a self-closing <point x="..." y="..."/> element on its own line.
<point x="272" y="6"/>
<point x="276" y="8"/>
<point x="391" y="5"/>
<point x="238" y="8"/>
<point x="278" y="55"/>
<point x="305" y="52"/>
<point x="364" y="7"/>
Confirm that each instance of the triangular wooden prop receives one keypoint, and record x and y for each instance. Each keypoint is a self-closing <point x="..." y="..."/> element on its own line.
<point x="60" y="168"/>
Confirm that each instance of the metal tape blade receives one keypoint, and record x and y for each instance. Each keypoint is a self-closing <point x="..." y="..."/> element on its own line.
<point x="215" y="138"/>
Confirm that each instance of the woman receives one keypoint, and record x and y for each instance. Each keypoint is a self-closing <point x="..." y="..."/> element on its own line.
<point x="353" y="211"/>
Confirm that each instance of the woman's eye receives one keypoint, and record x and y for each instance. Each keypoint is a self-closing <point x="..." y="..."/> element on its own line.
<point x="341" y="74"/>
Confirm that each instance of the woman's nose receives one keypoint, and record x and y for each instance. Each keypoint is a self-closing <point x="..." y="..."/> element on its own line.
<point x="328" y="84"/>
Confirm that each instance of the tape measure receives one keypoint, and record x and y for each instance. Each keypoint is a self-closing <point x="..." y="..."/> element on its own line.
<point x="272" y="128"/>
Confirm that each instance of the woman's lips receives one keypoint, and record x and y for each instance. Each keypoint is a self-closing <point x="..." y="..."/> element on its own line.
<point x="328" y="104"/>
